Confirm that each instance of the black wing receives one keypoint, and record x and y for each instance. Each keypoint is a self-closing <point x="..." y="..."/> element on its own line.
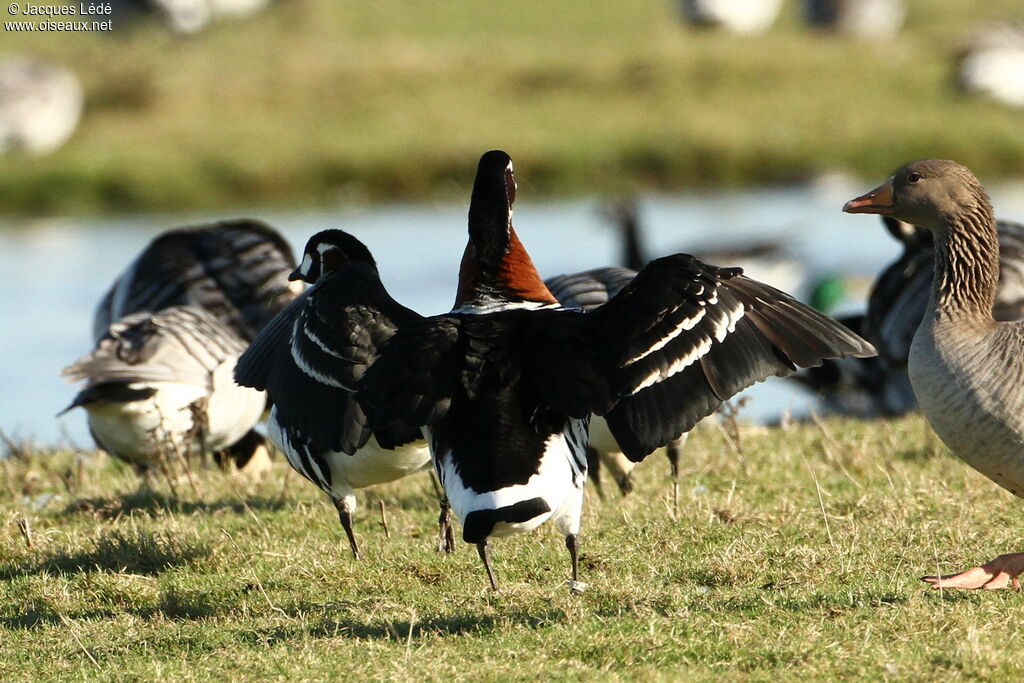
<point x="683" y="336"/>
<point x="412" y="385"/>
<point x="235" y="270"/>
<point x="677" y="341"/>
<point x="312" y="355"/>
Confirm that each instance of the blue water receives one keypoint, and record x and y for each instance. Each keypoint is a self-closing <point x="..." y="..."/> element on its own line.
<point x="55" y="270"/>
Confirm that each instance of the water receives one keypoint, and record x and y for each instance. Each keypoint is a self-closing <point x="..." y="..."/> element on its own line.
<point x="55" y="270"/>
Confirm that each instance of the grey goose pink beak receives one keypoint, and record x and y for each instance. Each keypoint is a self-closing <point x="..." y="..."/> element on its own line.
<point x="878" y="200"/>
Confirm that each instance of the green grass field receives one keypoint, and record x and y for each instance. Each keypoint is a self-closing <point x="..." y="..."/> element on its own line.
<point x="319" y="102"/>
<point x="795" y="557"/>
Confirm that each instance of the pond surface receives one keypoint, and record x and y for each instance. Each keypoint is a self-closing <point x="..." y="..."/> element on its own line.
<point x="55" y="270"/>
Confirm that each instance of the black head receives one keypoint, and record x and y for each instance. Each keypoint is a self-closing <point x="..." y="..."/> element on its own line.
<point x="490" y="208"/>
<point x="329" y="250"/>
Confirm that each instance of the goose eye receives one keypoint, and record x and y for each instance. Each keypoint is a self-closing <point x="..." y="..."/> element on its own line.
<point x="913" y="177"/>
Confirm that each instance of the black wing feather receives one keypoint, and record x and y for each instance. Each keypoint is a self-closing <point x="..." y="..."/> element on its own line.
<point x="682" y="337"/>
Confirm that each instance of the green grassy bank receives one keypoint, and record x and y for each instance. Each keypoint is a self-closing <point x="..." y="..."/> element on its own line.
<point x="318" y="101"/>
<point x="796" y="557"/>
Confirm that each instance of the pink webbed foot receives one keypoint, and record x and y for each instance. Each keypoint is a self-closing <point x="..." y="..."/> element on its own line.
<point x="1001" y="572"/>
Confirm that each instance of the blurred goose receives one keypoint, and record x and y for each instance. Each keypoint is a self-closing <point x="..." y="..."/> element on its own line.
<point x="309" y="369"/>
<point x="967" y="368"/>
<point x="159" y="385"/>
<point x="767" y="261"/>
<point x="993" y="63"/>
<point x="586" y="291"/>
<point x="895" y="308"/>
<point x="40" y="105"/>
<point x="874" y="19"/>
<point x="235" y="270"/>
<point x="505" y="383"/>
<point x="738" y="16"/>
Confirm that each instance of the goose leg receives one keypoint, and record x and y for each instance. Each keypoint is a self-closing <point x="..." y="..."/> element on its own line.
<point x="445" y="532"/>
<point x="485" y="555"/>
<point x="575" y="585"/>
<point x="345" y="515"/>
<point x="1001" y="572"/>
<point x="672" y="451"/>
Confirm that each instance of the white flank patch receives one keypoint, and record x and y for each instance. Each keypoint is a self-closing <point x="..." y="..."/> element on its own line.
<point x="370" y="465"/>
<point x="558" y="481"/>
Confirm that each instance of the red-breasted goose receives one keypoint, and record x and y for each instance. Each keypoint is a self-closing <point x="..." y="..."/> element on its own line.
<point x="965" y="366"/>
<point x="505" y="384"/>
<point x="309" y="360"/>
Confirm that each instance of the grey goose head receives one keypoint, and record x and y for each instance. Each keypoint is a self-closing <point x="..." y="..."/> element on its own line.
<point x="936" y="194"/>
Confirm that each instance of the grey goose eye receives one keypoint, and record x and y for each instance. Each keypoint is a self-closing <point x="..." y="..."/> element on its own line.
<point x="913" y="177"/>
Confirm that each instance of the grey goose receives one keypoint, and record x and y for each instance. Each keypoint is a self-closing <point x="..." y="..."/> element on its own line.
<point x="966" y="368"/>
<point x="895" y="307"/>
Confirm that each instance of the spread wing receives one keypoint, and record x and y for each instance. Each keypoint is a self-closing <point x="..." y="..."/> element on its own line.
<point x="312" y="355"/>
<point x="663" y="353"/>
<point x="683" y="336"/>
<point x="413" y="383"/>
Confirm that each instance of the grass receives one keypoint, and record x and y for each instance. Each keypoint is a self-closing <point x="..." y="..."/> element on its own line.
<point x="796" y="558"/>
<point x="317" y="101"/>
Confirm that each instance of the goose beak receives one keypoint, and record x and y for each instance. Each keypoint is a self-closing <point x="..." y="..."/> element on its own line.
<point x="294" y="275"/>
<point x="879" y="201"/>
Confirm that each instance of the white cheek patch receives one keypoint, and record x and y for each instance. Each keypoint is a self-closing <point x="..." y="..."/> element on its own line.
<point x="307" y="263"/>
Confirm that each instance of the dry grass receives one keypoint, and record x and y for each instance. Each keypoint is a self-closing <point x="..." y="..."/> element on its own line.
<point x="798" y="557"/>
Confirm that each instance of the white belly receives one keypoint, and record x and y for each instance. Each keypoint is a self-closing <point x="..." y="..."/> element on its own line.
<point x="137" y="431"/>
<point x="370" y="465"/>
<point x="559" y="482"/>
<point x="970" y="396"/>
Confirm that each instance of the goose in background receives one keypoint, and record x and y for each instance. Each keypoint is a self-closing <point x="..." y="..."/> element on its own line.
<point x="505" y="383"/>
<point x="159" y="388"/>
<point x="869" y="19"/>
<point x="767" y="261"/>
<point x="40" y="105"/>
<point x="896" y="305"/>
<point x="309" y="360"/>
<point x="236" y="271"/>
<point x="966" y="367"/>
<point x="992" y="63"/>
<point x="737" y="16"/>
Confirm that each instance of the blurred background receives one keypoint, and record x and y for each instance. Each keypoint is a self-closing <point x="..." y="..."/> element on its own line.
<point x="730" y="123"/>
